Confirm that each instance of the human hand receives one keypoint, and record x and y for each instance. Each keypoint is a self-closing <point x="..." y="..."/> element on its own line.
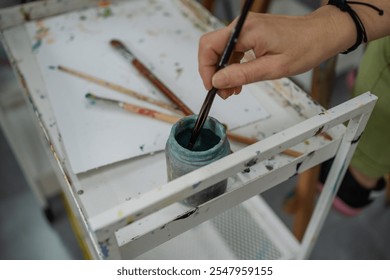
<point x="283" y="46"/>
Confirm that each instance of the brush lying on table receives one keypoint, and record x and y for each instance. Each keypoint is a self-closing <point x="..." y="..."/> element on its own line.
<point x="126" y="53"/>
<point x="119" y="88"/>
<point x="135" y="109"/>
<point x="146" y="112"/>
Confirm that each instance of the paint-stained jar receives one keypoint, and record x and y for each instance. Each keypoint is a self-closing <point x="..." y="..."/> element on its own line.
<point x="211" y="145"/>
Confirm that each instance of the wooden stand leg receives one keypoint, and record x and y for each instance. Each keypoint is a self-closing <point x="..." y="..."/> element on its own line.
<point x="305" y="191"/>
<point x="323" y="81"/>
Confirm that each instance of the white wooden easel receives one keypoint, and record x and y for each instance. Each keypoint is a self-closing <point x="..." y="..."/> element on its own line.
<point x="124" y="212"/>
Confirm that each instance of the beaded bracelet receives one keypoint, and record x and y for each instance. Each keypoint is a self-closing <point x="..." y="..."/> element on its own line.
<point x="361" y="35"/>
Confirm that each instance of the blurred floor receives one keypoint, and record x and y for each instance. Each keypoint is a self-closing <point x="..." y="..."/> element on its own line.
<point x="25" y="233"/>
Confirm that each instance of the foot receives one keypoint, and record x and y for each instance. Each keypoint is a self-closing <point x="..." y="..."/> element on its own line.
<point x="355" y="192"/>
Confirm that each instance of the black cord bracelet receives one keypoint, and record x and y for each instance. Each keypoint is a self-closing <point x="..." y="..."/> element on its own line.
<point x="361" y="35"/>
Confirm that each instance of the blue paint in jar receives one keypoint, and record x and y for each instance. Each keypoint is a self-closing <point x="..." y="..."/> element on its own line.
<point x="211" y="145"/>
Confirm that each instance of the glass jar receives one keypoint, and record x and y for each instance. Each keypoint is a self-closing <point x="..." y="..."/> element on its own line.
<point x="211" y="145"/>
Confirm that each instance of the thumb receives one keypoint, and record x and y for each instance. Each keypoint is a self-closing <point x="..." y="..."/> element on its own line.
<point x="235" y="75"/>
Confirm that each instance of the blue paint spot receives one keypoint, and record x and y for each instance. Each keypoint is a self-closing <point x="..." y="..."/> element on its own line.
<point x="196" y="184"/>
<point x="104" y="250"/>
<point x="37" y="45"/>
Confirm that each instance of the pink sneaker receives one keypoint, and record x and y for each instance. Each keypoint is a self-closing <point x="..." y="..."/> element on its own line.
<point x="342" y="207"/>
<point x="350" y="79"/>
<point x="351" y="197"/>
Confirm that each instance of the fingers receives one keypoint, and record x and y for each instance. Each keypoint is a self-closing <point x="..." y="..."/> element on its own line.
<point x="211" y="45"/>
<point x="264" y="68"/>
<point x="225" y="93"/>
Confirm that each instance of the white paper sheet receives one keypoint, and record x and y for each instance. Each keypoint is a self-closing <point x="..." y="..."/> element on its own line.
<point x="163" y="38"/>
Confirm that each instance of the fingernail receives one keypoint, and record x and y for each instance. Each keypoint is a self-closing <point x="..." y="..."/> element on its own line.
<point x="223" y="95"/>
<point x="220" y="80"/>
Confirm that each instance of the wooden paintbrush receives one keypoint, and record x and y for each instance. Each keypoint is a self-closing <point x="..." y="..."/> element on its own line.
<point x="118" y="45"/>
<point x="136" y="109"/>
<point x="119" y="88"/>
<point x="173" y="119"/>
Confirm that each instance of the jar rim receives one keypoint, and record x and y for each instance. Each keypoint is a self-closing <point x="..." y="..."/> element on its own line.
<point x="210" y="123"/>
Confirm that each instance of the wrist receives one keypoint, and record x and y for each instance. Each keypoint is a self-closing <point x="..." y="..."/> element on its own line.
<point x="336" y="27"/>
<point x="350" y="23"/>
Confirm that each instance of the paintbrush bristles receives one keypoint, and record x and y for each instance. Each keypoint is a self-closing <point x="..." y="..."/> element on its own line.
<point x="116" y="43"/>
<point x="90" y="96"/>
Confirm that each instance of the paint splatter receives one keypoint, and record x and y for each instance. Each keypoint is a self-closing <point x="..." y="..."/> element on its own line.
<point x="41" y="33"/>
<point x="25" y="14"/>
<point x="104" y="249"/>
<point x="105" y="13"/>
<point x="83" y="17"/>
<point x="91" y="98"/>
<point x="142" y="147"/>
<point x="52" y="67"/>
<point x="252" y="162"/>
<point x="179" y="71"/>
<point x="269" y="167"/>
<point x="37" y="45"/>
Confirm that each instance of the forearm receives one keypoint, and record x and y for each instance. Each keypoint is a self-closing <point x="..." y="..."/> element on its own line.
<point x="376" y="26"/>
<point x="342" y="29"/>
